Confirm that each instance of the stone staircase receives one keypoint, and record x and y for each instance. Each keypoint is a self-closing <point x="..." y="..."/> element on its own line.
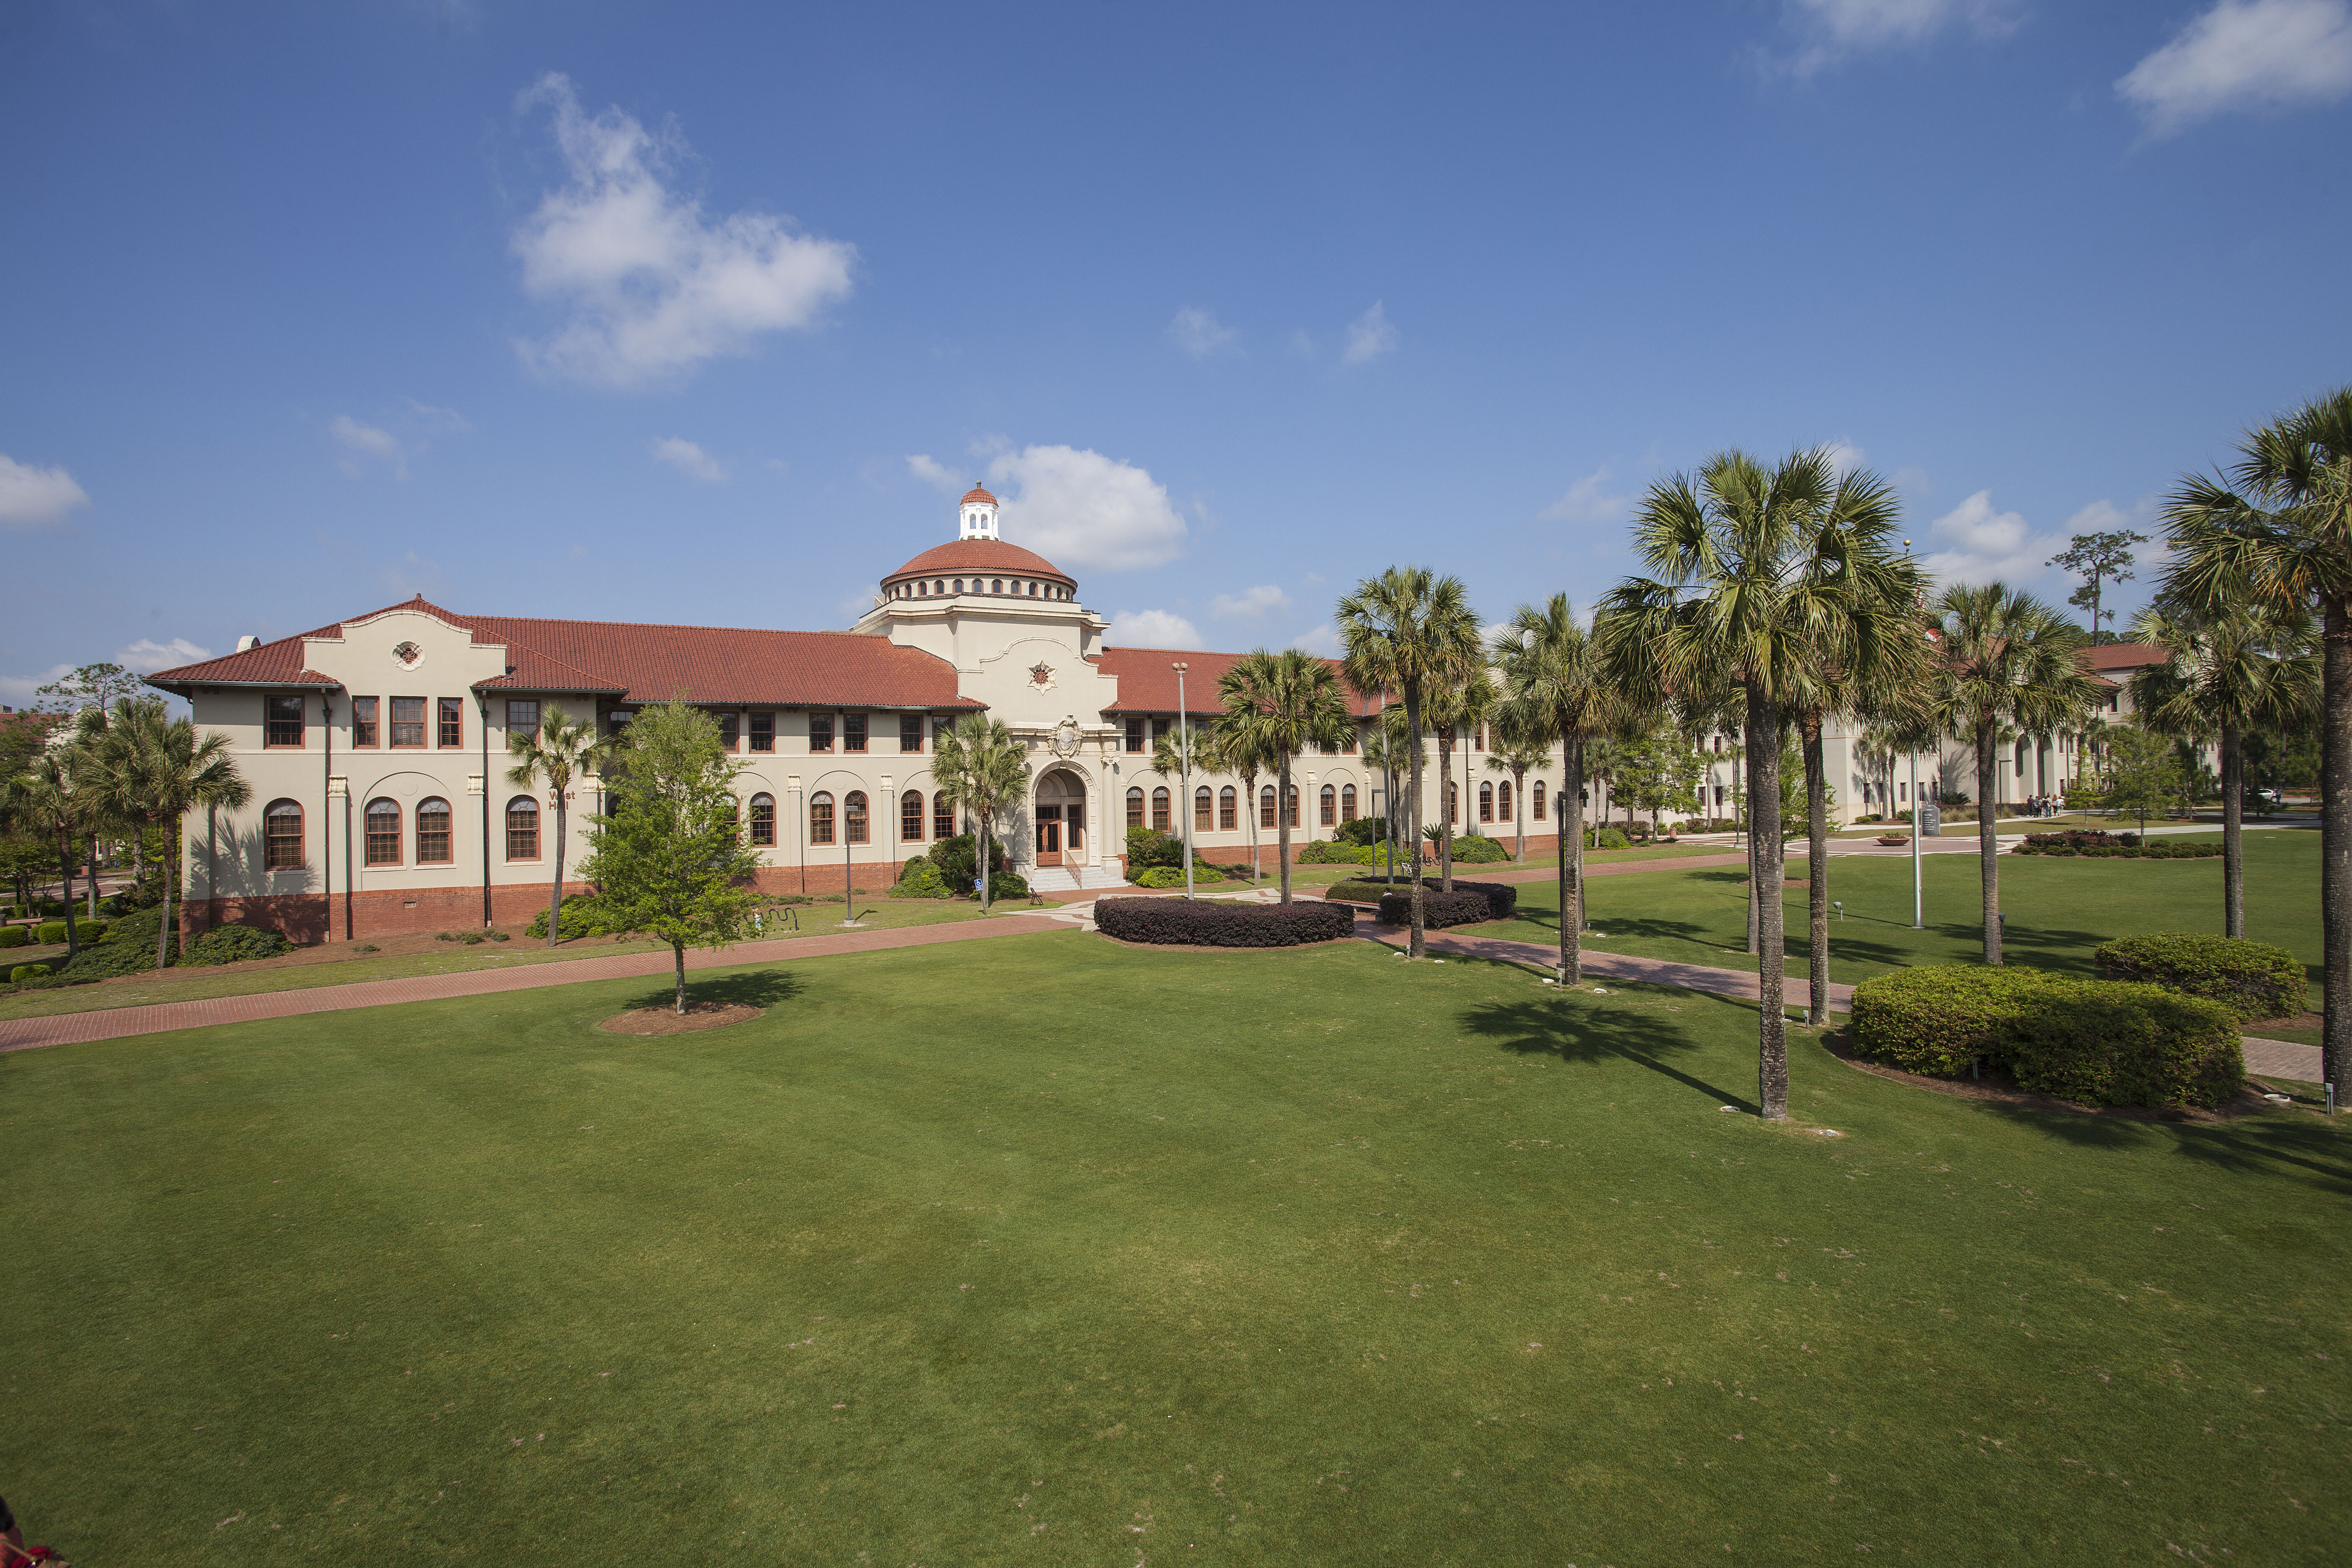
<point x="1072" y="878"/>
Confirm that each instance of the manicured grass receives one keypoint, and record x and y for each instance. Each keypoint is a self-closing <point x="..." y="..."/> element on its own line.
<point x="1045" y="1251"/>
<point x="329" y="967"/>
<point x="2058" y="910"/>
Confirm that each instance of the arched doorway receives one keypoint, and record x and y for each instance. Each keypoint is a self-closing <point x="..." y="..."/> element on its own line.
<point x="1060" y="818"/>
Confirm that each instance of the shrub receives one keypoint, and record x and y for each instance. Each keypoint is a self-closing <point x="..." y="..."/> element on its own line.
<point x="2103" y="1042"/>
<point x="129" y="950"/>
<point x="1458" y="907"/>
<point x="237" y="943"/>
<point x="16" y="936"/>
<point x="1607" y="839"/>
<point x="50" y="933"/>
<point x="1478" y="849"/>
<point x="1191" y="922"/>
<point x="1502" y="899"/>
<point x="921" y="880"/>
<point x="1361" y="832"/>
<point x="1174" y="875"/>
<point x="583" y="915"/>
<point x="24" y="971"/>
<point x="2253" y="979"/>
<point x="1320" y="853"/>
<point x="958" y="863"/>
<point x="1147" y="847"/>
<point x="1003" y="885"/>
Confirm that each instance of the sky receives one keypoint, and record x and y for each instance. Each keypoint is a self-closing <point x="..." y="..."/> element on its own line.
<point x="708" y="313"/>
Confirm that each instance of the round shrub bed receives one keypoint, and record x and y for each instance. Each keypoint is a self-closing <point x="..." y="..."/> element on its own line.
<point x="2101" y="1042"/>
<point x="1189" y="922"/>
<point x="2093" y="844"/>
<point x="2253" y="979"/>
<point x="1501" y="898"/>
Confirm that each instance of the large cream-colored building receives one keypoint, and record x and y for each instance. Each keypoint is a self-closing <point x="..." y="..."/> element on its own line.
<point x="376" y="749"/>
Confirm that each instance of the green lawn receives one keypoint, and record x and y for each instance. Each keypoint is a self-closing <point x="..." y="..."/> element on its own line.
<point x="1044" y="1251"/>
<point x="2058" y="910"/>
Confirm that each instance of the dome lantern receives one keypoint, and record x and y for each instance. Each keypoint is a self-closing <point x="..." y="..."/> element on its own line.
<point x="979" y="515"/>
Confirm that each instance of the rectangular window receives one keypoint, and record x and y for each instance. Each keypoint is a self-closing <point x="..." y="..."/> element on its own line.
<point x="282" y="721"/>
<point x="433" y="833"/>
<point x="820" y="732"/>
<point x="910" y="733"/>
<point x="452" y="721"/>
<point x="731" y="731"/>
<point x="1135" y="741"/>
<point x="763" y="731"/>
<point x="522" y="719"/>
<point x="363" y="728"/>
<point x="408" y="722"/>
<point x="853" y="732"/>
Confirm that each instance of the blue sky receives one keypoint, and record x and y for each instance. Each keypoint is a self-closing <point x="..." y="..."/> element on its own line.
<point x="705" y="313"/>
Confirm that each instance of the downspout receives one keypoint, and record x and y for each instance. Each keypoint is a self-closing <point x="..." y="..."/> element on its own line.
<point x="326" y="808"/>
<point x="483" y="704"/>
<point x="347" y="859"/>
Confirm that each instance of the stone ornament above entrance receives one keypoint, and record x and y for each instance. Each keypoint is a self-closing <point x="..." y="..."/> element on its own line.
<point x="1064" y="741"/>
<point x="407" y="655"/>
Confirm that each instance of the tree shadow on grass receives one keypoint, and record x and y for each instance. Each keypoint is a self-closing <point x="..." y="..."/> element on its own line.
<point x="2303" y="1151"/>
<point x="1556" y="1027"/>
<point x="754" y="988"/>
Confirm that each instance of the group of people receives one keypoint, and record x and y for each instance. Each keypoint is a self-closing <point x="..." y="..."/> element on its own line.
<point x="2043" y="805"/>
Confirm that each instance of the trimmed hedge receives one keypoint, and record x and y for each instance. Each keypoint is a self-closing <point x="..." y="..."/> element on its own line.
<point x="2101" y="1042"/>
<point x="1192" y="923"/>
<point x="235" y="944"/>
<point x="2253" y="979"/>
<point x="583" y="915"/>
<point x="1174" y="875"/>
<point x="24" y="971"/>
<point x="2094" y="844"/>
<point x="1502" y="897"/>
<point x="1458" y="907"/>
<point x="1478" y="849"/>
<point x="84" y="930"/>
<point x="16" y="936"/>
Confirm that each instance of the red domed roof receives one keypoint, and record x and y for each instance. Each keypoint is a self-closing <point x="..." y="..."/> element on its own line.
<point x="969" y="557"/>
<point x="977" y="494"/>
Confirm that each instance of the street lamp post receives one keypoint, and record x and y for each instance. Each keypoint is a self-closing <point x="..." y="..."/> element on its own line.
<point x="1918" y="820"/>
<point x="1184" y="771"/>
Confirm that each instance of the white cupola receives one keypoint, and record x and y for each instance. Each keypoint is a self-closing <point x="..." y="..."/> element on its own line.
<point x="979" y="515"/>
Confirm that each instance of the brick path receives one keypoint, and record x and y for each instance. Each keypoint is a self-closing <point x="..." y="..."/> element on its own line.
<point x="2282" y="1058"/>
<point x="116" y="1023"/>
<point x="1735" y="983"/>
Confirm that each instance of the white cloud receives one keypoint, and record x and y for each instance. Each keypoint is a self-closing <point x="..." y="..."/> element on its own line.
<point x="936" y="475"/>
<point x="1835" y="30"/>
<point x="1150" y="629"/>
<point x="654" y="288"/>
<point x="2244" y="53"/>
<point x="443" y="421"/>
<point x="35" y="498"/>
<point x="1249" y="604"/>
<point x="1983" y="544"/>
<point x="1845" y="456"/>
<point x="1199" y="332"/>
<point x="23" y="690"/>
<point x="1080" y="510"/>
<point x="689" y="459"/>
<point x="1323" y="641"/>
<point x="1370" y="336"/>
<point x="2099" y="517"/>
<point x="147" y="656"/>
<point x="367" y="438"/>
<point x="1586" y="502"/>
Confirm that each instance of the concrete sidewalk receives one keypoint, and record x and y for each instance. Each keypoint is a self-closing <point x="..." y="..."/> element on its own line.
<point x="1598" y="965"/>
<point x="119" y="1023"/>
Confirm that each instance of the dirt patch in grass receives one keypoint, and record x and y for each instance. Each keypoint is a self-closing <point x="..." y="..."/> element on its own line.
<point x="2294" y="1021"/>
<point x="1998" y="1089"/>
<point x="699" y="1015"/>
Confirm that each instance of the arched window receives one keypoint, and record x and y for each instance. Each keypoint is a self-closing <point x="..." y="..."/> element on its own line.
<point x="522" y="828"/>
<point x="433" y="832"/>
<point x="1159" y="811"/>
<point x="996" y="584"/>
<point x="281" y="836"/>
<point x="910" y="815"/>
<point x="1265" y="805"/>
<point x="853" y="806"/>
<point x="1487" y="802"/>
<point x="1135" y="807"/>
<point x="821" y="818"/>
<point x="763" y="821"/>
<point x="1452" y="801"/>
<point x="943" y="816"/>
<point x="1205" y="809"/>
<point x="383" y="831"/>
<point x="1346" y="803"/>
<point x="959" y="585"/>
<point x="1291" y="807"/>
<point x="1331" y="807"/>
<point x="938" y="586"/>
<point x="1538" y="800"/>
<point x="1228" y="810"/>
<point x="1503" y="801"/>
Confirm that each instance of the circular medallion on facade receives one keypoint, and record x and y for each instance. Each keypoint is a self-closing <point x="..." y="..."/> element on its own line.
<point x="1065" y="739"/>
<point x="1041" y="675"/>
<point x="407" y="655"/>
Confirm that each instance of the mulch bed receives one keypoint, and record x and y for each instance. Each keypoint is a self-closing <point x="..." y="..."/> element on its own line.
<point x="2299" y="1021"/>
<point x="662" y="1021"/>
<point x="1192" y="947"/>
<point x="1997" y="1089"/>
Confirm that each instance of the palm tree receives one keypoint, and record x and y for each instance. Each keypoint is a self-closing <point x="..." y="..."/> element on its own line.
<point x="51" y="798"/>
<point x="1384" y="754"/>
<point x="1169" y="760"/>
<point x="1604" y="762"/>
<point x="2243" y="670"/>
<point x="1407" y="631"/>
<point x="1517" y="756"/>
<point x="2003" y="659"/>
<point x="1875" y="750"/>
<point x="1743" y="576"/>
<point x="153" y="770"/>
<point x="1551" y="668"/>
<point x="1278" y="704"/>
<point x="982" y="768"/>
<point x="2284" y="536"/>
<point x="1456" y="709"/>
<point x="561" y="750"/>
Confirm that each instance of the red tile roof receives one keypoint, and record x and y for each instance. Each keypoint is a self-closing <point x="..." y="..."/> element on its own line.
<point x="983" y="556"/>
<point x="719" y="665"/>
<point x="976" y="494"/>
<point x="1145" y="684"/>
<point x="2125" y="655"/>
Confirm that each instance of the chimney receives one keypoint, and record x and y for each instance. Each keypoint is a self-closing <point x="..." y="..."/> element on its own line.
<point x="246" y="643"/>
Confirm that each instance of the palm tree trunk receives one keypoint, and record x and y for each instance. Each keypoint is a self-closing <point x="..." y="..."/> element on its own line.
<point x="1415" y="946"/>
<point x="1249" y="789"/>
<point x="984" y="839"/>
<point x="555" y="894"/>
<point x="1282" y="823"/>
<point x="2336" y="840"/>
<point x="1571" y="865"/>
<point x="1817" y="875"/>
<point x="1772" y="1021"/>
<point x="1987" y="846"/>
<point x="1445" y="812"/>
<point x="92" y="877"/>
<point x="65" y="887"/>
<point x="677" y="953"/>
<point x="1519" y="811"/>
<point x="2233" y="829"/>
<point x="164" y="933"/>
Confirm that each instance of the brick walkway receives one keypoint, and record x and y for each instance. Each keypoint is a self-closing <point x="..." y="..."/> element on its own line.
<point x="2282" y="1058"/>
<point x="1618" y="966"/>
<point x="117" y="1023"/>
